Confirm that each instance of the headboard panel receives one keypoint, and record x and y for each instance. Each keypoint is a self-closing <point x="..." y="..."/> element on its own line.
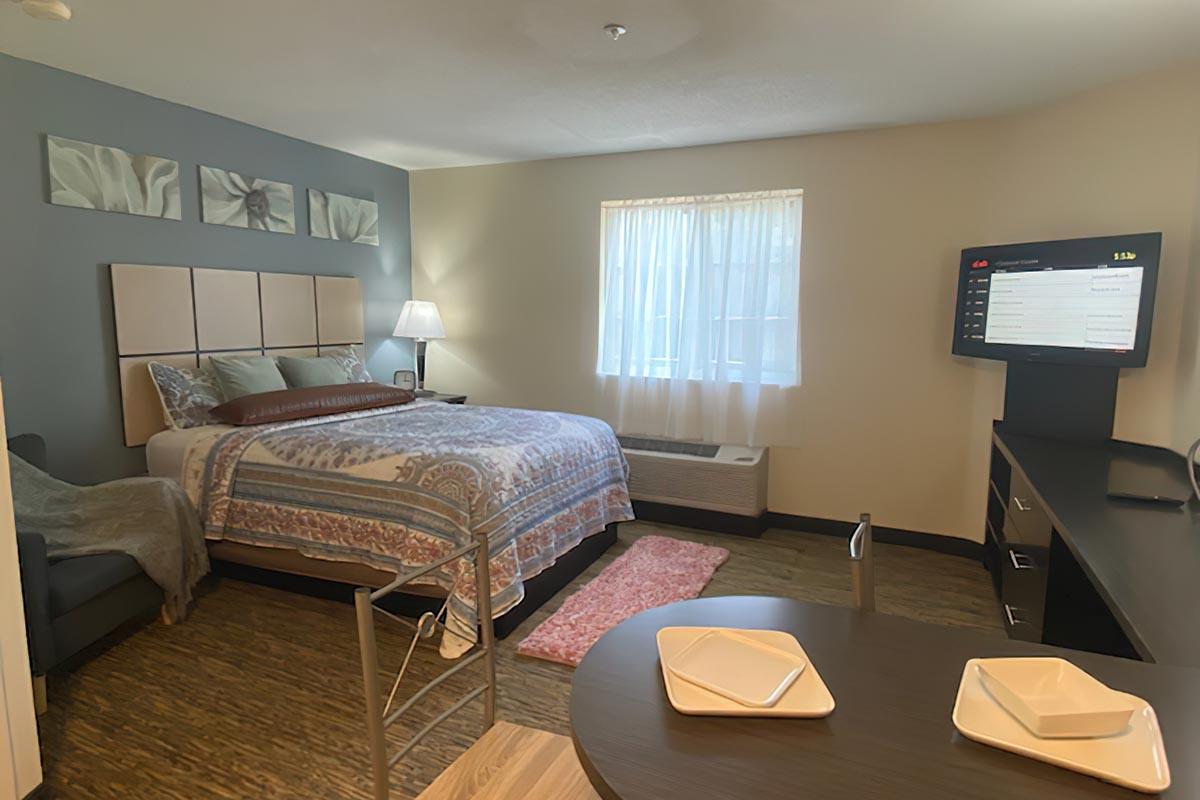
<point x="184" y="315"/>
<point x="228" y="315"/>
<point x="289" y="310"/>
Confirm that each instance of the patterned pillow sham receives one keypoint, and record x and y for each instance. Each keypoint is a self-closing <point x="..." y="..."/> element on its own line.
<point x="348" y="358"/>
<point x="187" y="394"/>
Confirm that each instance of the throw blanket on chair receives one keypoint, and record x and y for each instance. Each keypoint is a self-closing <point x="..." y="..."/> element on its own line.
<point x="148" y="518"/>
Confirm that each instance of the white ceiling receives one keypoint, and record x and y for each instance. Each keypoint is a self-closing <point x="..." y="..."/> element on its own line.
<point x="429" y="83"/>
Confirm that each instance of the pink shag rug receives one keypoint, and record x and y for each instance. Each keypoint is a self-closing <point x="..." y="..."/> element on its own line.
<point x="655" y="571"/>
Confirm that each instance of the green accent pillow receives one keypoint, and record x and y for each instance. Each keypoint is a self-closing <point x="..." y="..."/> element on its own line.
<point x="315" y="371"/>
<point x="243" y="375"/>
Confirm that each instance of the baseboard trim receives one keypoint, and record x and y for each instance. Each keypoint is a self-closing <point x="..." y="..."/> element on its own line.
<point x="700" y="518"/>
<point x="754" y="527"/>
<point x="949" y="545"/>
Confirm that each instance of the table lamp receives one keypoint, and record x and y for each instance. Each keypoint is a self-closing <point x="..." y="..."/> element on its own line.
<point x="419" y="319"/>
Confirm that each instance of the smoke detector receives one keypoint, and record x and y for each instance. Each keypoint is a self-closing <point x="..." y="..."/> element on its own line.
<point x="615" y="31"/>
<point x="52" y="10"/>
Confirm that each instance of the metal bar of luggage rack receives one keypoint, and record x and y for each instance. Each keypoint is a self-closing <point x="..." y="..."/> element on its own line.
<point x="862" y="565"/>
<point x="379" y="716"/>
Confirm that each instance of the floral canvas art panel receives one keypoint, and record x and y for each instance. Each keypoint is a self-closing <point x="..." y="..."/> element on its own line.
<point x="231" y="198"/>
<point x="336" y="216"/>
<point x="84" y="175"/>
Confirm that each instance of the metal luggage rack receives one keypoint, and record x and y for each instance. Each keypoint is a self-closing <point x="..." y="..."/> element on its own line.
<point x="380" y="714"/>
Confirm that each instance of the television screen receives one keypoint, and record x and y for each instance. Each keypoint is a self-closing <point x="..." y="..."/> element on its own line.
<point x="1077" y="301"/>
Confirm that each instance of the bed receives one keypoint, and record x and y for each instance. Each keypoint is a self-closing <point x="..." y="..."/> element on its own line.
<point x="358" y="497"/>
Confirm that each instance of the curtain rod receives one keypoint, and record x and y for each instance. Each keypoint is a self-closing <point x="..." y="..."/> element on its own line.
<point x="704" y="198"/>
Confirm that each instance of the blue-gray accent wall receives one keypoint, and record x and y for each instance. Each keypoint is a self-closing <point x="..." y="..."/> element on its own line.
<point x="57" y="350"/>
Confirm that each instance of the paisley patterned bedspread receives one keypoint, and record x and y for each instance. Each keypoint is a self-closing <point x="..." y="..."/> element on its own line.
<point x="398" y="487"/>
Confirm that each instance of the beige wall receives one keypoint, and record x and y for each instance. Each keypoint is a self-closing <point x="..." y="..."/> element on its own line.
<point x="1187" y="407"/>
<point x="1123" y="159"/>
<point x="891" y="423"/>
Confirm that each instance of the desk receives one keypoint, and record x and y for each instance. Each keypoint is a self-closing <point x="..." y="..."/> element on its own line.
<point x="891" y="736"/>
<point x="1077" y="569"/>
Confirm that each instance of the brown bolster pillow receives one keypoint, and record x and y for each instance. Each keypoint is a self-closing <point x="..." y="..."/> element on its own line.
<point x="312" y="401"/>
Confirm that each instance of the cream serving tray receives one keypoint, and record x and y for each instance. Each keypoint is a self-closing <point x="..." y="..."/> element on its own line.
<point x="737" y="666"/>
<point x="1134" y="758"/>
<point x="804" y="696"/>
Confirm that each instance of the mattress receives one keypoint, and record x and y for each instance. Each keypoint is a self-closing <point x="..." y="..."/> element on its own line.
<point x="166" y="450"/>
<point x="397" y="487"/>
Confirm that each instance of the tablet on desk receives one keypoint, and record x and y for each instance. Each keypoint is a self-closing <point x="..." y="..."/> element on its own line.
<point x="1150" y="483"/>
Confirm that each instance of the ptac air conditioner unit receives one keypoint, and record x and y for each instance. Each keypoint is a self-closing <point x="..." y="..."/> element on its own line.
<point x="721" y="478"/>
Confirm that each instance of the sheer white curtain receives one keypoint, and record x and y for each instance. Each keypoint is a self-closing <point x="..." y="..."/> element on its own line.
<point x="699" y="316"/>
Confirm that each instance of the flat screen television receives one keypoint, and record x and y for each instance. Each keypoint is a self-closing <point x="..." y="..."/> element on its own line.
<point x="1075" y="301"/>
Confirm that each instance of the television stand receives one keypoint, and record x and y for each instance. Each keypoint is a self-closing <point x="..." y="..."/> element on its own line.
<point x="1060" y="401"/>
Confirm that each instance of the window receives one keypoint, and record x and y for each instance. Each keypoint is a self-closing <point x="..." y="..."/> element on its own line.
<point x="702" y="288"/>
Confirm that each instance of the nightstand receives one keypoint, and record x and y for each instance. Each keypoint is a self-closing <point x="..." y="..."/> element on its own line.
<point x="439" y="397"/>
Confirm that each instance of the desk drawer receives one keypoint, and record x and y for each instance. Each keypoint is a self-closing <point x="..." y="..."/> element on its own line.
<point x="1024" y="577"/>
<point x="1023" y="596"/>
<point x="1026" y="521"/>
<point x="993" y="550"/>
<point x="997" y="510"/>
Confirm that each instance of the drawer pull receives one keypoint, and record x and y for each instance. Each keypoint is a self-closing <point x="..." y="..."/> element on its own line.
<point x="1021" y="561"/>
<point x="1013" y="619"/>
<point x="1021" y="505"/>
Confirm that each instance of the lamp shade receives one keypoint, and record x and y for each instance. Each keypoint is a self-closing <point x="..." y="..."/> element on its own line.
<point x="52" y="10"/>
<point x="419" y="319"/>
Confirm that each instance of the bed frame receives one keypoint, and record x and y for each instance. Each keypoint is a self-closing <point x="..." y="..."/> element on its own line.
<point x="184" y="315"/>
<point x="334" y="580"/>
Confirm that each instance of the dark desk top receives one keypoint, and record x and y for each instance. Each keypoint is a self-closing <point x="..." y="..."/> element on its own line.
<point x="1143" y="558"/>
<point x="891" y="736"/>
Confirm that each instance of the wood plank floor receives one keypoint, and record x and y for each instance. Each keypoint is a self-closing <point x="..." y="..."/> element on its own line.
<point x="258" y="693"/>
<point x="513" y="761"/>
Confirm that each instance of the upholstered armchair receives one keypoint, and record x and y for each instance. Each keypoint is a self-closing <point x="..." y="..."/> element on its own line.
<point x="71" y="603"/>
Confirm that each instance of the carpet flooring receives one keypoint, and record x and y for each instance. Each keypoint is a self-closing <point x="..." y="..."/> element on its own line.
<point x="258" y="693"/>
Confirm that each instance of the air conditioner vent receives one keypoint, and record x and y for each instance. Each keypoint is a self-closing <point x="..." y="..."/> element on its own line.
<point x="714" y="477"/>
<point x="669" y="446"/>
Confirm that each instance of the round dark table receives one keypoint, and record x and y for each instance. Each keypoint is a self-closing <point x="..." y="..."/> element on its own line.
<point x="894" y="681"/>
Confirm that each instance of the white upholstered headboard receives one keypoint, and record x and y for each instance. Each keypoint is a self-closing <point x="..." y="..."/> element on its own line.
<point x="183" y="315"/>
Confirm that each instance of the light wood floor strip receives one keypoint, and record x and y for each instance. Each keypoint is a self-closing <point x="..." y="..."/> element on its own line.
<point x="512" y="762"/>
<point x="258" y="695"/>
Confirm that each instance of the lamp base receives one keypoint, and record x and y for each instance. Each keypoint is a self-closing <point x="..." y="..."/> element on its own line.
<point x="424" y="393"/>
<point x="421" y="343"/>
